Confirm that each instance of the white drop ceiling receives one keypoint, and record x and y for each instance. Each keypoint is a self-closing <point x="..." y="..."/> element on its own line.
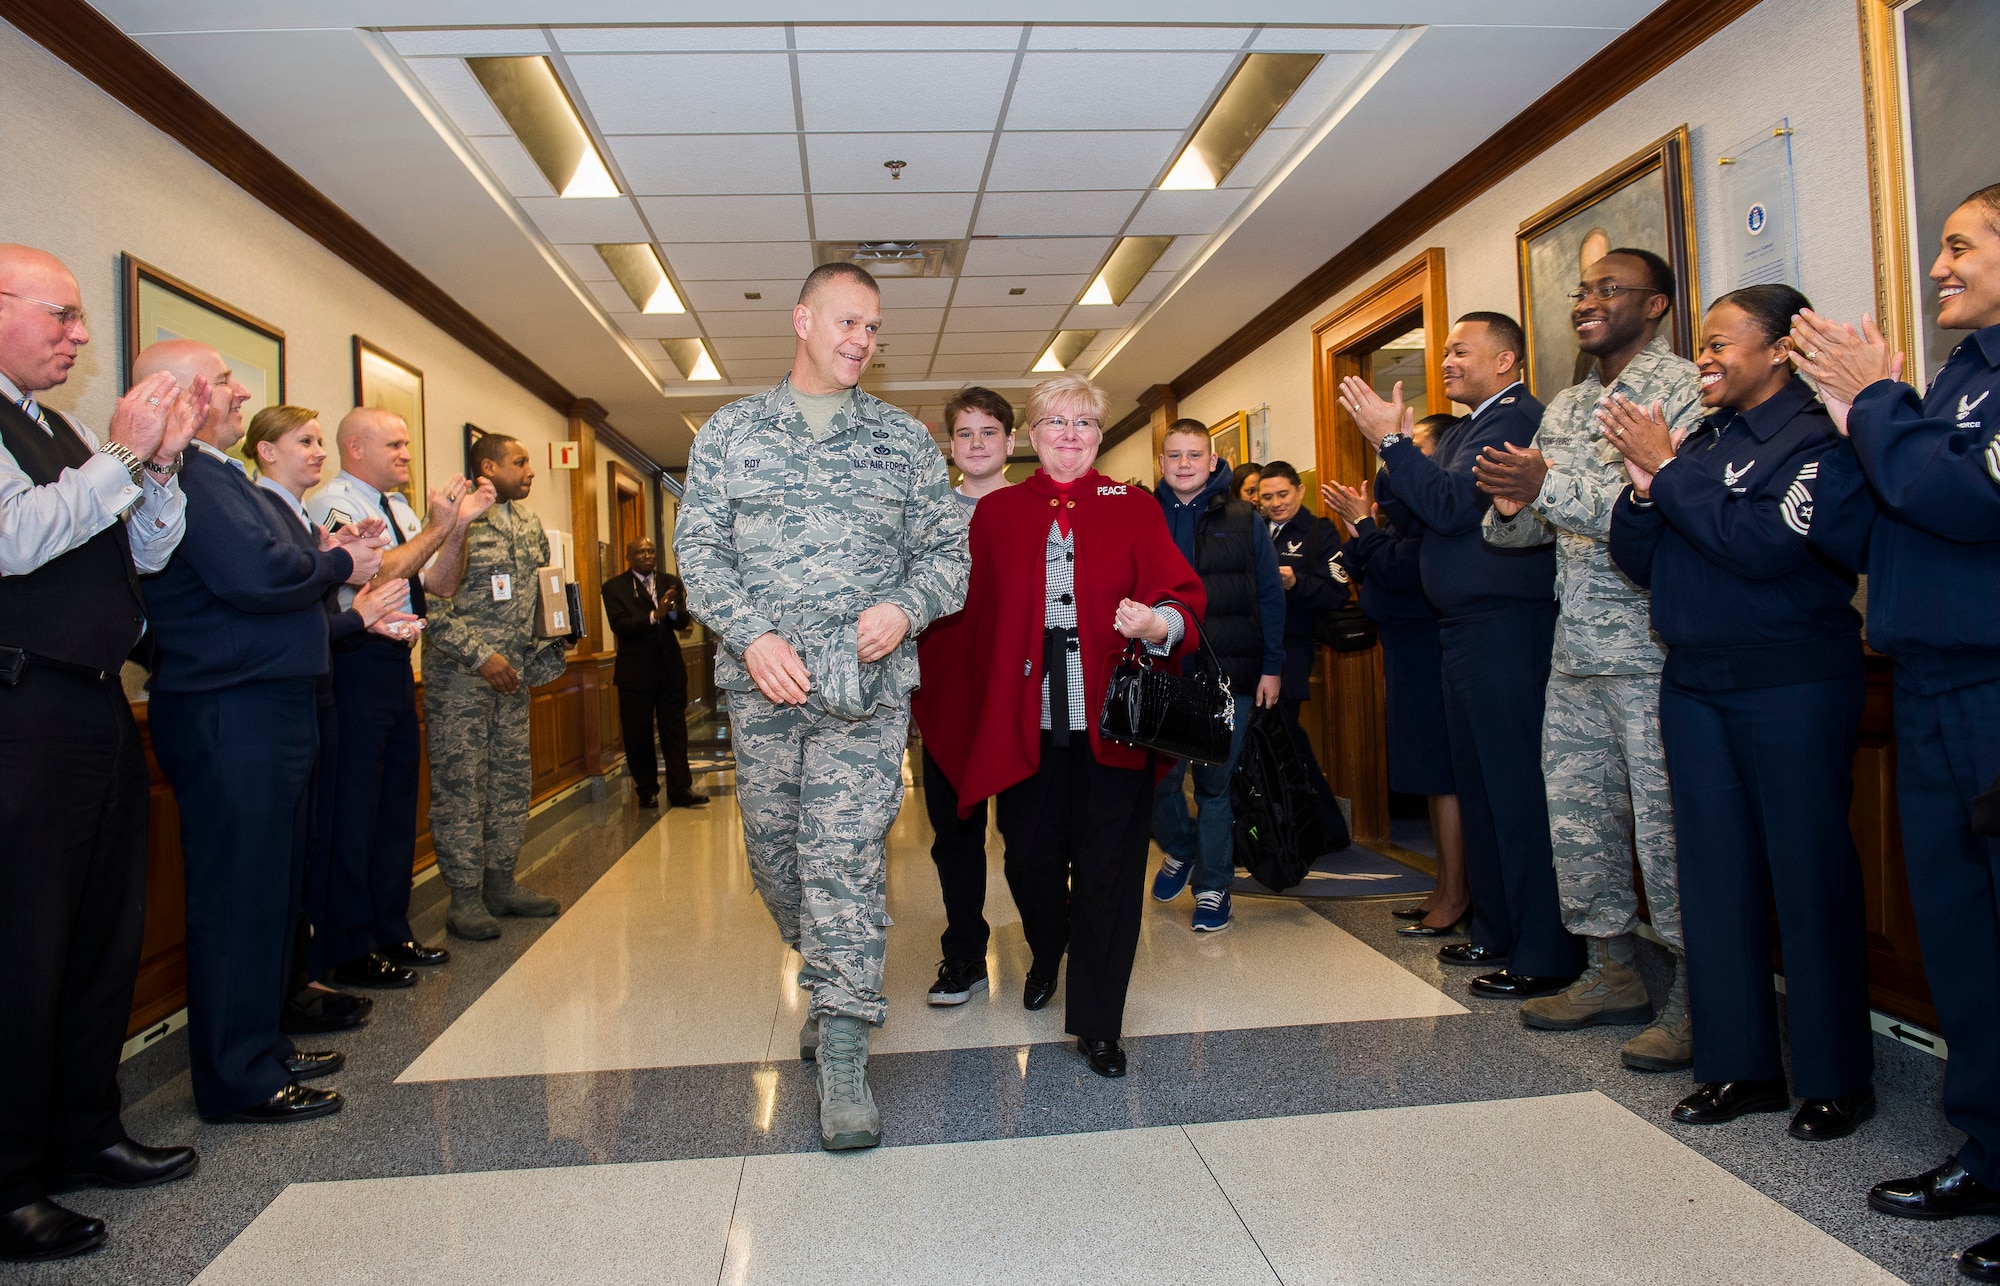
<point x="737" y="147"/>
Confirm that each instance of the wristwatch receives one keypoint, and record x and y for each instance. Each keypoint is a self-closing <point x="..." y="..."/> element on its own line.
<point x="164" y="471"/>
<point x="1389" y="440"/>
<point x="124" y="456"/>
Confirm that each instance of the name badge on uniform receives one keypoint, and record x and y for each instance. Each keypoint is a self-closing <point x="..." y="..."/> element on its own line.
<point x="503" y="587"/>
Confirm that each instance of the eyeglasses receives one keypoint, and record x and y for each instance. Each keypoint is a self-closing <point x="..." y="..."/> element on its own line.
<point x="1082" y="424"/>
<point x="67" y="315"/>
<point x="1582" y="293"/>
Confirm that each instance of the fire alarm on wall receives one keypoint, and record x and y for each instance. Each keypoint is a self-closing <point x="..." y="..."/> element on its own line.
<point x="565" y="455"/>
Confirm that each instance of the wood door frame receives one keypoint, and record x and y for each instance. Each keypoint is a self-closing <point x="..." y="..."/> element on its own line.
<point x="620" y="480"/>
<point x="1354" y="726"/>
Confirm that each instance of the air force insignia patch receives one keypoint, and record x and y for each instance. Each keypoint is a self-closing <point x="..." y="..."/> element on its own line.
<point x="1798" y="504"/>
<point x="1293" y="547"/>
<point x="1731" y="475"/>
<point x="1967" y="405"/>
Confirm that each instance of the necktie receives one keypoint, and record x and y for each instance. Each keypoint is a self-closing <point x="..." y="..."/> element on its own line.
<point x="418" y="607"/>
<point x="33" y="410"/>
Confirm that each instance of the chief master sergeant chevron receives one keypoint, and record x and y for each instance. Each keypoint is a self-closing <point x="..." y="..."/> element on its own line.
<point x="817" y="538"/>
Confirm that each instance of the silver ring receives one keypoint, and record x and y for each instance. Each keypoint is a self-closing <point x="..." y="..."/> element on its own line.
<point x="152" y="401"/>
<point x="1812" y="355"/>
<point x="1619" y="433"/>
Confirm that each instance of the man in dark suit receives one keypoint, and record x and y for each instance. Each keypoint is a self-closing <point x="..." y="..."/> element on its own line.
<point x="647" y="610"/>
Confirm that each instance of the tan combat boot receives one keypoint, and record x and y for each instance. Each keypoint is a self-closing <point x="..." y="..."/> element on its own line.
<point x="1667" y="1045"/>
<point x="1607" y="994"/>
<point x="847" y="1115"/>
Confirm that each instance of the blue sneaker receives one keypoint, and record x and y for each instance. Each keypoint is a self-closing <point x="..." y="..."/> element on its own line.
<point x="1211" y="911"/>
<point x="1173" y="877"/>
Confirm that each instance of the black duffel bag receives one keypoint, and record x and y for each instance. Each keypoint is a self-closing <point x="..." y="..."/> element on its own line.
<point x="1281" y="828"/>
<point x="1188" y="716"/>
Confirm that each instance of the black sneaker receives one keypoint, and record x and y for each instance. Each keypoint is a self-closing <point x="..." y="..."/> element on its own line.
<point x="957" y="980"/>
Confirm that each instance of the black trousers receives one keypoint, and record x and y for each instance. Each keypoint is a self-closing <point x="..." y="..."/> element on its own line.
<point x="959" y="850"/>
<point x="639" y="709"/>
<point x="1076" y="836"/>
<point x="73" y="868"/>
<point x="241" y="763"/>
<point x="309" y="956"/>
<point x="374" y="827"/>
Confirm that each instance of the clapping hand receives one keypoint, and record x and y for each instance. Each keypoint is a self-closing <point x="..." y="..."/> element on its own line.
<point x="478" y="498"/>
<point x="441" y="508"/>
<point x="1512" y="475"/>
<point x="1351" y="505"/>
<point x="1640" y="434"/>
<point x="1841" y="360"/>
<point x="1376" y="418"/>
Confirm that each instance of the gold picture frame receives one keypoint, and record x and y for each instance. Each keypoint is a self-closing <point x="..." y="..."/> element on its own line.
<point x="388" y="383"/>
<point x="160" y="307"/>
<point x="1230" y="438"/>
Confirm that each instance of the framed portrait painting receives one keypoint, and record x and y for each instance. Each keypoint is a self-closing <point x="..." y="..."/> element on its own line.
<point x="387" y="383"/>
<point x="159" y="307"/>
<point x="1645" y="201"/>
<point x="1230" y="438"/>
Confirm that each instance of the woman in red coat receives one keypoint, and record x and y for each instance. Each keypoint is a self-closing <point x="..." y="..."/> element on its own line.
<point x="1066" y="567"/>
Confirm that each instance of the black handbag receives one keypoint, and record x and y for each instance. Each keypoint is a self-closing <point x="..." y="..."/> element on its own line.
<point x="1187" y="716"/>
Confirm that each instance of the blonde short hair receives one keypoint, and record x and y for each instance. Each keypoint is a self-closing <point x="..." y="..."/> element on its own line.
<point x="274" y="422"/>
<point x="1067" y="390"/>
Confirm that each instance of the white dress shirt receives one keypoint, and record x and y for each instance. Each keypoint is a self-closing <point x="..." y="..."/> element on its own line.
<point x="347" y="499"/>
<point x="41" y="524"/>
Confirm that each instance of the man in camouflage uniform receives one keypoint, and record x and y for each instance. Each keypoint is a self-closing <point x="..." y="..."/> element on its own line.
<point x="481" y="658"/>
<point x="1601" y="752"/>
<point x="817" y="538"/>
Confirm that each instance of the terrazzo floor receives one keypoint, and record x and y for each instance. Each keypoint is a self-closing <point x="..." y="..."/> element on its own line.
<point x="613" y="1097"/>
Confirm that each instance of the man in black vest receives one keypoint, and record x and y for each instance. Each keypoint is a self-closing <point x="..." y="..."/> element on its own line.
<point x="79" y="519"/>
<point x="647" y="610"/>
<point x="1225" y="543"/>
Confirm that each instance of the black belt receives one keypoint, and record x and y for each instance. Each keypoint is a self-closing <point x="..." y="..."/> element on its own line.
<point x="13" y="660"/>
<point x="1057" y="644"/>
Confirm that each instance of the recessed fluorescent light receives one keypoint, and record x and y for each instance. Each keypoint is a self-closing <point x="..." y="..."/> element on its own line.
<point x="1251" y="101"/>
<point x="691" y="357"/>
<point x="537" y="109"/>
<point x="1132" y="260"/>
<point x="643" y="274"/>
<point x="1068" y="343"/>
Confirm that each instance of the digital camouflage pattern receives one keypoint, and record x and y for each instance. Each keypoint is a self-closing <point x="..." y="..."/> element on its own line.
<point x="787" y="530"/>
<point x="477" y="738"/>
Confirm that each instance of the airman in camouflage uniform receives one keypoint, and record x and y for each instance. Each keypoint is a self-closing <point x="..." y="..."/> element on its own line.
<point x="794" y="530"/>
<point x="1601" y="751"/>
<point x="480" y="658"/>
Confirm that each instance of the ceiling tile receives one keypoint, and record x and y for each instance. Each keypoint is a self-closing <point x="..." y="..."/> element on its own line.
<point x="897" y="367"/>
<point x="1263" y="157"/>
<point x="710" y="297"/>
<point x="1114" y="91"/>
<point x="991" y="292"/>
<point x="1313" y="40"/>
<point x="686" y="93"/>
<point x="938" y="36"/>
<point x="650" y="40"/>
<point x="586" y="263"/>
<point x="936" y="162"/>
<point x="908" y="327"/>
<point x="512" y="165"/>
<point x="1031" y="342"/>
<point x="1185" y="213"/>
<point x="612" y="298"/>
<point x="1038" y="160"/>
<point x="660" y="325"/>
<point x="1038" y="317"/>
<point x="726" y="218"/>
<point x="1003" y="256"/>
<point x="1057" y="36"/>
<point x="452" y="84"/>
<point x="465" y="42"/>
<point x="765" y="371"/>
<point x="1023" y="214"/>
<point x="898" y="216"/>
<point x="763" y="322"/>
<point x="1325" y="86"/>
<point x="707" y="164"/>
<point x="760" y="347"/>
<point x="915" y="292"/>
<point x="912" y="91"/>
<point x="733" y="260"/>
<point x="595" y="219"/>
<point x="972" y="367"/>
<point x="1179" y="254"/>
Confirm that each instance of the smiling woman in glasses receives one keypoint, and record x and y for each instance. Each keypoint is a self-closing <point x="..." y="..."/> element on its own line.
<point x="1066" y="567"/>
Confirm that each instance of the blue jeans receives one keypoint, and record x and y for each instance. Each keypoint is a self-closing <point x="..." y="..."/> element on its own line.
<point x="1207" y="839"/>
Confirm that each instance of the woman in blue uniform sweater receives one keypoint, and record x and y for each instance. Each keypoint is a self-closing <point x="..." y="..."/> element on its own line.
<point x="1760" y="704"/>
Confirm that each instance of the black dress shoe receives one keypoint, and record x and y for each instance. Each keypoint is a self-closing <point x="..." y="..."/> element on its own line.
<point x="1502" y="984"/>
<point x="1422" y="930"/>
<point x="372" y="970"/>
<point x="310" y="1066"/>
<point x="312" y="1013"/>
<point x="1720" y="1101"/>
<point x="689" y="800"/>
<point x="1944" y="1193"/>
<point x="44" y="1230"/>
<point x="1471" y="953"/>
<point x="1039" y="990"/>
<point x="650" y="801"/>
<point x="1104" y="1057"/>
<point x="124" y="1164"/>
<point x="1409" y="913"/>
<point x="1981" y="1260"/>
<point x="295" y="1102"/>
<point x="1820" y="1119"/>
<point x="412" y="954"/>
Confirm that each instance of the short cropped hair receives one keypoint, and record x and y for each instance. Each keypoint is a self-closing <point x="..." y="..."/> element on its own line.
<point x="1280" y="469"/>
<point x="1506" y="332"/>
<point x="977" y="398"/>
<point x="827" y="273"/>
<point x="1659" y="273"/>
<point x="1193" y="427"/>
<point x="1068" y="389"/>
<point x="274" y="422"/>
<point x="490" y="449"/>
<point x="1989" y="197"/>
<point x="1771" y="306"/>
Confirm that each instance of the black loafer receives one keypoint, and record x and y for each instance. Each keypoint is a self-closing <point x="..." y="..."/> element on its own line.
<point x="1981" y="1260"/>
<point x="1422" y="930"/>
<point x="1039" y="990"/>
<point x="1409" y="913"/>
<point x="373" y="971"/>
<point x="1820" y="1119"/>
<point x="43" y="1230"/>
<point x="1104" y="1057"/>
<point x="309" y="1066"/>
<point x="413" y="954"/>
<point x="1720" y="1101"/>
<point x="649" y="801"/>
<point x="314" y="1013"/>
<point x="1502" y="984"/>
<point x="1943" y="1193"/>
<point x="295" y="1102"/>
<point x="1471" y="953"/>
<point x="689" y="800"/>
<point x="125" y="1164"/>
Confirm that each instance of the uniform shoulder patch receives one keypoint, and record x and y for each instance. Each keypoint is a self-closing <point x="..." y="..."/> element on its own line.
<point x="1797" y="508"/>
<point x="1993" y="458"/>
<point x="1509" y="400"/>
<point x="1337" y="569"/>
